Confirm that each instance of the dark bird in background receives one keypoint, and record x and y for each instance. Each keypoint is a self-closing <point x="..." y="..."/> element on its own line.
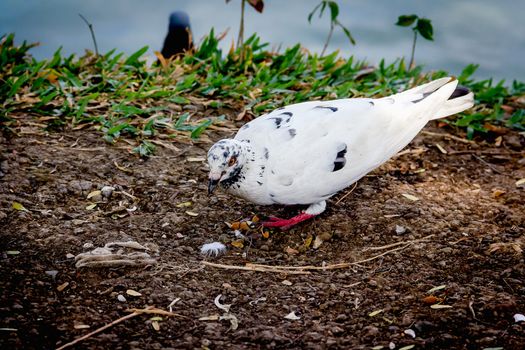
<point x="179" y="38"/>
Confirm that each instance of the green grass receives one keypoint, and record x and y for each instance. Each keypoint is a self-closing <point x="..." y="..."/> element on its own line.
<point x="125" y="97"/>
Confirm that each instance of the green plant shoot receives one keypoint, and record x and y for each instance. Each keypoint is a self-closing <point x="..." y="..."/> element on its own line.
<point x="423" y="26"/>
<point x="334" y="13"/>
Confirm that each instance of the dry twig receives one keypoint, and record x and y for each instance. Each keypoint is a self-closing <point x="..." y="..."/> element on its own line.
<point x="258" y="268"/>
<point x="346" y="194"/>
<point x="452" y="137"/>
<point x="98" y="330"/>
<point x="134" y="312"/>
<point x="398" y="243"/>
<point x="306" y="269"/>
<point x="487" y="164"/>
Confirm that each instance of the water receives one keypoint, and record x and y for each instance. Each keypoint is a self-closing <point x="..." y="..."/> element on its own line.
<point x="490" y="33"/>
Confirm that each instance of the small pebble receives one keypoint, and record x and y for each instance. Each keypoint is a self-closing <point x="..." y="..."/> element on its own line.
<point x="88" y="245"/>
<point x="519" y="318"/>
<point x="106" y="191"/>
<point x="391" y="345"/>
<point x="400" y="229"/>
<point x="52" y="273"/>
<point x="121" y="298"/>
<point x="69" y="256"/>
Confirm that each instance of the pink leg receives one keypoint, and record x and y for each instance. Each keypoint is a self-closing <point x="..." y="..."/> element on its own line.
<point x="287" y="223"/>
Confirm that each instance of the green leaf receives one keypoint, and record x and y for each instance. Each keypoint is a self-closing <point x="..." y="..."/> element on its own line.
<point x="347" y="33"/>
<point x="117" y="128"/>
<point x="406" y="20"/>
<point x="133" y="60"/>
<point x="424" y="27"/>
<point x="179" y="100"/>
<point x="310" y="15"/>
<point x="517" y="120"/>
<point x="18" y="206"/>
<point x="323" y="7"/>
<point x="145" y="149"/>
<point x="334" y="10"/>
<point x="200" y="129"/>
<point x="467" y="72"/>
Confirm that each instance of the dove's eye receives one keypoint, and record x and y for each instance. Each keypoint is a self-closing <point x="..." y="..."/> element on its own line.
<point x="232" y="161"/>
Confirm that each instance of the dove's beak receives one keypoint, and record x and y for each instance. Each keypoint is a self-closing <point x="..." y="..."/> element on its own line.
<point x="211" y="185"/>
<point x="213" y="181"/>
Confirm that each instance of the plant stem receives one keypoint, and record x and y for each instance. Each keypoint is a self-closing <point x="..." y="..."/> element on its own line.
<point x="328" y="39"/>
<point x="90" y="26"/>
<point x="413" y="51"/>
<point x="240" y="39"/>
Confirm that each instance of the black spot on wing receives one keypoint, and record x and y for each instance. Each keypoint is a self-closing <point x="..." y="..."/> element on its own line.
<point x="339" y="164"/>
<point x="372" y="103"/>
<point x="292" y="132"/>
<point x="342" y="152"/>
<point x="333" y="109"/>
<point x="245" y="126"/>
<point x="289" y="115"/>
<point x="266" y="153"/>
<point x="277" y="121"/>
<point x="340" y="160"/>
<point x="261" y="174"/>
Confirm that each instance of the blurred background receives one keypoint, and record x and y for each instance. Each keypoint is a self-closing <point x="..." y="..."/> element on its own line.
<point x="489" y="33"/>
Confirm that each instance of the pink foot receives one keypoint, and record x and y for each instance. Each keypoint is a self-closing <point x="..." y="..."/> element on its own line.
<point x="285" y="224"/>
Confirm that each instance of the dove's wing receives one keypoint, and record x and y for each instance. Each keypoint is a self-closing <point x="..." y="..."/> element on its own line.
<point x="316" y="149"/>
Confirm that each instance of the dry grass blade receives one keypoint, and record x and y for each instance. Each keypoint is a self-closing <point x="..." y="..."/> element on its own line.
<point x="258" y="268"/>
<point x="346" y="194"/>
<point x="415" y="151"/>
<point x="109" y="325"/>
<point x="306" y="269"/>
<point x="398" y="243"/>
<point x="448" y="136"/>
<point x="487" y="164"/>
<point x="156" y="312"/>
<point x="134" y="312"/>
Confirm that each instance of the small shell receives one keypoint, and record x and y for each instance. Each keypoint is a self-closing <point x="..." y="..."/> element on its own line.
<point x="410" y="332"/>
<point x="292" y="316"/>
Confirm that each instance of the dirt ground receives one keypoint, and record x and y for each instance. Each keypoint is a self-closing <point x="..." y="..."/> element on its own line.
<point x="463" y="234"/>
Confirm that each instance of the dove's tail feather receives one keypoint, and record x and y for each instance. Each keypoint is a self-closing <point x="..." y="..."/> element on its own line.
<point x="460" y="100"/>
<point x="450" y="97"/>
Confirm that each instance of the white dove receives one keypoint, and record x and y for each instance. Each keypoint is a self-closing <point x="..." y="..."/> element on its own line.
<point x="307" y="152"/>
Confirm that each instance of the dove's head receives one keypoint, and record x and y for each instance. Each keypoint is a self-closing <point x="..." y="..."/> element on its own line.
<point x="226" y="159"/>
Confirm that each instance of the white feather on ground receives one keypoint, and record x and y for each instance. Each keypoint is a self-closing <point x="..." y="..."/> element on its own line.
<point x="213" y="249"/>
